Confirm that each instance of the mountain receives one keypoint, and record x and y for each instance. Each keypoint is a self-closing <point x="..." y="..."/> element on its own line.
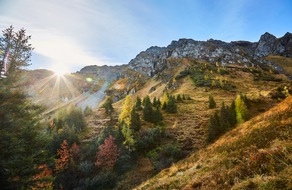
<point x="154" y="59"/>
<point x="177" y="153"/>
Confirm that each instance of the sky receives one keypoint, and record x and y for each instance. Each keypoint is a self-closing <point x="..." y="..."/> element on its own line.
<point x="71" y="34"/>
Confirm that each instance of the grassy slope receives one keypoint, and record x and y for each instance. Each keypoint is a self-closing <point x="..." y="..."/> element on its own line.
<point x="284" y="62"/>
<point x="255" y="155"/>
<point x="188" y="126"/>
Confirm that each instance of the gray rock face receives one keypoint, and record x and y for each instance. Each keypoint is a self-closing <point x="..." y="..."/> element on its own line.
<point x="268" y="44"/>
<point x="154" y="59"/>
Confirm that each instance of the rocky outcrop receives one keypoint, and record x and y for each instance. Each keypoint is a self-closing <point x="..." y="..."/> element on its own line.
<point x="154" y="59"/>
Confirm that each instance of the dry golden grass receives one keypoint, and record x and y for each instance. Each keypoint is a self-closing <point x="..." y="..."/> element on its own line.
<point x="284" y="62"/>
<point x="241" y="159"/>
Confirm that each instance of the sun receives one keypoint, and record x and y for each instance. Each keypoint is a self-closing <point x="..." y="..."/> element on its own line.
<point x="60" y="70"/>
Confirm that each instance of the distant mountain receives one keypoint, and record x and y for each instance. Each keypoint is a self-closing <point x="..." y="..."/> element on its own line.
<point x="152" y="61"/>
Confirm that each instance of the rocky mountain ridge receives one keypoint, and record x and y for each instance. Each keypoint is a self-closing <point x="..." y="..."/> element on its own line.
<point x="153" y="60"/>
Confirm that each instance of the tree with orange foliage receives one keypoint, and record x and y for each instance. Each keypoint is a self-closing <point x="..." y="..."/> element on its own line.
<point x="107" y="155"/>
<point x="43" y="178"/>
<point x="66" y="154"/>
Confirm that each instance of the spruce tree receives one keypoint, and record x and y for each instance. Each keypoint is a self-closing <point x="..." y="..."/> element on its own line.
<point x="138" y="105"/>
<point x="108" y="106"/>
<point x="147" y="110"/>
<point x="171" y="107"/>
<point x="157" y="115"/>
<point x="135" y="123"/>
<point x="214" y="130"/>
<point x="22" y="140"/>
<point x="16" y="49"/>
<point x="212" y="103"/>
<point x="179" y="98"/>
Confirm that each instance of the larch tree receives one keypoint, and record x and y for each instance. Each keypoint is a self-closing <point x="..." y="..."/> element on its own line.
<point x="241" y="109"/>
<point x="125" y="114"/>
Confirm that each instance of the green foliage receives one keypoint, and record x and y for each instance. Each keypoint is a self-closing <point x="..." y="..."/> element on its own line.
<point x="156" y="102"/>
<point x="281" y="93"/>
<point x="108" y="106"/>
<point x="179" y="98"/>
<point x="212" y="103"/>
<point x="87" y="111"/>
<point x="125" y="114"/>
<point x="170" y="106"/>
<point x="128" y="134"/>
<point x="149" y="139"/>
<point x="22" y="141"/>
<point x="75" y="119"/>
<point x="15" y="47"/>
<point x="135" y="123"/>
<point x="138" y="105"/>
<point x="221" y="121"/>
<point x="147" y="110"/>
<point x="163" y="157"/>
<point x="241" y="109"/>
<point x="150" y="115"/>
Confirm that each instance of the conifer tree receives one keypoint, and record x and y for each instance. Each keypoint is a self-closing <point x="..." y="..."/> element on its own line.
<point x="157" y="115"/>
<point x="232" y="114"/>
<point x="156" y="102"/>
<point x="108" y="106"/>
<point x="164" y="101"/>
<point x="171" y="106"/>
<point x="135" y="120"/>
<point x="212" y="103"/>
<point x="179" y="98"/>
<point x="125" y="114"/>
<point x="138" y="105"/>
<point x="214" y="127"/>
<point x="128" y="134"/>
<point x="147" y="110"/>
<point x="241" y="109"/>
<point x="22" y="141"/>
<point x="16" y="49"/>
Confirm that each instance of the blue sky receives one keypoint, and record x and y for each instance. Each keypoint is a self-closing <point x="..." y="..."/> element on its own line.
<point x="70" y="34"/>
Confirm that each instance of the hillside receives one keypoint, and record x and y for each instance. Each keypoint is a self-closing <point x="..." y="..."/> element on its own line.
<point x="149" y="124"/>
<point x="255" y="155"/>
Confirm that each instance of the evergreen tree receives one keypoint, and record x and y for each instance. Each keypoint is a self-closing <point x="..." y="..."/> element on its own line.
<point x="179" y="98"/>
<point x="135" y="120"/>
<point x="224" y="118"/>
<point x="108" y="106"/>
<point x="171" y="106"/>
<point x="22" y="141"/>
<point x="212" y="103"/>
<point x="87" y="111"/>
<point x="214" y="127"/>
<point x="128" y="134"/>
<point x="156" y="102"/>
<point x="164" y="101"/>
<point x="138" y="105"/>
<point x="16" y="50"/>
<point x="232" y="114"/>
<point x="183" y="97"/>
<point x="157" y="115"/>
<point x="148" y="110"/>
